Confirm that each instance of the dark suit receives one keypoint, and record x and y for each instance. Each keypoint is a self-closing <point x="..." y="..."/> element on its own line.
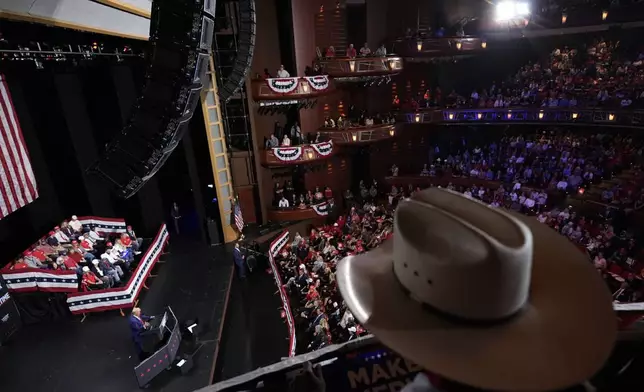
<point x="239" y="262"/>
<point x="137" y="327"/>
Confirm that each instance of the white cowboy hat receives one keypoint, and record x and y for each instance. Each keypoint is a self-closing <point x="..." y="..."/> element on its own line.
<point x="482" y="296"/>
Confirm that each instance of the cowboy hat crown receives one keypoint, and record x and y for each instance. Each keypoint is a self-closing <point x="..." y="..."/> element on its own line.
<point x="472" y="263"/>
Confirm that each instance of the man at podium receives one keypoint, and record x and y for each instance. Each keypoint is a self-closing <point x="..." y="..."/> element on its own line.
<point x="138" y="325"/>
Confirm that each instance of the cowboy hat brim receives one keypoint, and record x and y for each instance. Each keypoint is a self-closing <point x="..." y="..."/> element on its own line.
<point x="563" y="335"/>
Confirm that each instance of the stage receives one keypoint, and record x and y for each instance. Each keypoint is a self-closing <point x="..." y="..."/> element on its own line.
<point x="98" y="355"/>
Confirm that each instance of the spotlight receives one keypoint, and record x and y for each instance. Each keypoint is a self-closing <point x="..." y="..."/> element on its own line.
<point x="509" y="10"/>
<point x="604" y="15"/>
<point x="564" y="18"/>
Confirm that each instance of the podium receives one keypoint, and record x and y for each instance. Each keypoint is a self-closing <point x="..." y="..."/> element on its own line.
<point x="165" y="337"/>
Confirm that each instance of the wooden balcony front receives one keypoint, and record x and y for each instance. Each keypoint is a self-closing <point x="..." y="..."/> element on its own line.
<point x="359" y="135"/>
<point x="435" y="47"/>
<point x="291" y="89"/>
<point x="298" y="155"/>
<point x="292" y="214"/>
<point x="344" y="68"/>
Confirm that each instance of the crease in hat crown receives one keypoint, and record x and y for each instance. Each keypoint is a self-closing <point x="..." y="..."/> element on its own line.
<point x="462" y="257"/>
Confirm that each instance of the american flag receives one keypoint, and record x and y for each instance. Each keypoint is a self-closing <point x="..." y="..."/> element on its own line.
<point x="17" y="181"/>
<point x="239" y="219"/>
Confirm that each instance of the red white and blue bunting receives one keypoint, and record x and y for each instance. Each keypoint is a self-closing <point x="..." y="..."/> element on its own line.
<point x="274" y="249"/>
<point x="319" y="83"/>
<point x="283" y="85"/>
<point x="36" y="279"/>
<point x="104" y="225"/>
<point x="122" y="297"/>
<point x="321" y="209"/>
<point x="287" y="154"/>
<point x="323" y="149"/>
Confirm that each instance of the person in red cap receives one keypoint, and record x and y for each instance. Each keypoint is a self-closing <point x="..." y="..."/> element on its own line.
<point x="51" y="239"/>
<point x="32" y="261"/>
<point x="18" y="264"/>
<point x="138" y="242"/>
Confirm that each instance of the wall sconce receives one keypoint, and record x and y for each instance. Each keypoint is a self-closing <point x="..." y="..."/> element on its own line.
<point x="574" y="116"/>
<point x="611" y="117"/>
<point x="509" y="114"/>
<point x="479" y="116"/>
<point x="352" y="65"/>
<point x="541" y="115"/>
<point x="483" y="44"/>
<point x="450" y="116"/>
<point x="354" y="136"/>
<point x="419" y="45"/>
<point x="459" y="45"/>
<point x="604" y="15"/>
<point x="392" y="64"/>
<point x="392" y="132"/>
<point x="564" y="18"/>
<point x="417" y="117"/>
<point x="305" y="88"/>
<point x="309" y="154"/>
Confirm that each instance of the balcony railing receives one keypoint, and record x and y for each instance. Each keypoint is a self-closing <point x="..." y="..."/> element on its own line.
<point x="298" y="155"/>
<point x="344" y="67"/>
<point x="318" y="211"/>
<point x="295" y="89"/>
<point x="359" y="135"/>
<point x="433" y="46"/>
<point x="568" y="116"/>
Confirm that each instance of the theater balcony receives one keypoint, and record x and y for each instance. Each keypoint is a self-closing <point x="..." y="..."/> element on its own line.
<point x="411" y="48"/>
<point x="318" y="212"/>
<point x="290" y="91"/>
<point x="297" y="155"/>
<point x="567" y="116"/>
<point x="360" y="69"/>
<point x="359" y="135"/>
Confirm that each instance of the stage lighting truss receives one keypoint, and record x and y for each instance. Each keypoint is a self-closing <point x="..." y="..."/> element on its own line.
<point x="42" y="53"/>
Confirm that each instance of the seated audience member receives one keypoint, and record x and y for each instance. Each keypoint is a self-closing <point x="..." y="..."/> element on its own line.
<point x="299" y="281"/>
<point x="128" y="243"/>
<point x="381" y="51"/>
<point x="19" y="264"/>
<point x="365" y="51"/>
<point x="93" y="236"/>
<point x="113" y="271"/>
<point x="107" y="279"/>
<point x="267" y="75"/>
<point x="351" y="51"/>
<point x="283" y="203"/>
<point x="330" y="52"/>
<point x="39" y="254"/>
<point x="272" y="141"/>
<point x="85" y="243"/>
<point x="75" y="224"/>
<point x="52" y="240"/>
<point x="90" y="281"/>
<point x="113" y="258"/>
<point x="32" y="260"/>
<point x="44" y="247"/>
<point x="67" y="230"/>
<point x="122" y="251"/>
<point x="286" y="142"/>
<point x="74" y="260"/>
<point x="282" y="73"/>
<point x="137" y="242"/>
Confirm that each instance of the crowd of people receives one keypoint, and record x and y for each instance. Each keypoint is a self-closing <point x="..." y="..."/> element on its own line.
<point x="358" y="119"/>
<point x="307" y="265"/>
<point x="351" y="52"/>
<point x="286" y="196"/>
<point x="554" y="159"/>
<point x="100" y="262"/>
<point x="598" y="74"/>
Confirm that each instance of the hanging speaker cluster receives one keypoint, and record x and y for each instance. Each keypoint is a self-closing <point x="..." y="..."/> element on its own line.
<point x="181" y="34"/>
<point x="245" y="51"/>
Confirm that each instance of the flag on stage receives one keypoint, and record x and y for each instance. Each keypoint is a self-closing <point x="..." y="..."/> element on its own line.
<point x="17" y="181"/>
<point x="239" y="219"/>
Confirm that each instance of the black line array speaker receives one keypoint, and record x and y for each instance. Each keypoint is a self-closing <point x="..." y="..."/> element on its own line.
<point x="181" y="34"/>
<point x="245" y="50"/>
